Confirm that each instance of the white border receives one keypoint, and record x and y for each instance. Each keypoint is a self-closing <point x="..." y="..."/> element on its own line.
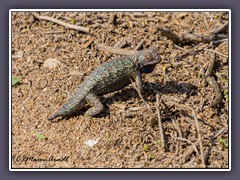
<point x="118" y="10"/>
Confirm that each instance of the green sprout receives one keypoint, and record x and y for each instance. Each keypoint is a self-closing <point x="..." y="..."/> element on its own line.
<point x="223" y="141"/>
<point x="226" y="94"/>
<point x="200" y="75"/>
<point x="153" y="156"/>
<point x="146" y="147"/>
<point x="73" y="21"/>
<point x="158" y="142"/>
<point x="40" y="136"/>
<point x="15" y="80"/>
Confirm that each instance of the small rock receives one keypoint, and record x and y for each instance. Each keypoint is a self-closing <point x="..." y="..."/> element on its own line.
<point x="120" y="106"/>
<point x="29" y="60"/>
<point x="51" y="63"/>
<point x="45" y="89"/>
<point x="19" y="54"/>
<point x="163" y="19"/>
<point x="90" y="143"/>
<point x="76" y="73"/>
<point x="182" y="15"/>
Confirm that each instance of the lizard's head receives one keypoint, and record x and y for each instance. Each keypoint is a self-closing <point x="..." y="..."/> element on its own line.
<point x="148" y="59"/>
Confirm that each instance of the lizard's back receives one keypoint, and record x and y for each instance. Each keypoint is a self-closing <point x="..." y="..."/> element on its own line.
<point x="111" y="76"/>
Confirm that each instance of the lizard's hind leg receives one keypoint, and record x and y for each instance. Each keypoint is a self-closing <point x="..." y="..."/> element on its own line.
<point x="94" y="101"/>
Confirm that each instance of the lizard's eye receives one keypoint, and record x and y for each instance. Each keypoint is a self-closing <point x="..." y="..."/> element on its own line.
<point x="148" y="58"/>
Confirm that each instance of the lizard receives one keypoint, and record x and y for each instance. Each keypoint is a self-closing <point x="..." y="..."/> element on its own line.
<point x="110" y="76"/>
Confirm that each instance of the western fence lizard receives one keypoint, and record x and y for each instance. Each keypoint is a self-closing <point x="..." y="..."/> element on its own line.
<point x="108" y="77"/>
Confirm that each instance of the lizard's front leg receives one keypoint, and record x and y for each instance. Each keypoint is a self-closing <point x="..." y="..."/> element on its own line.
<point x="138" y="81"/>
<point x="94" y="101"/>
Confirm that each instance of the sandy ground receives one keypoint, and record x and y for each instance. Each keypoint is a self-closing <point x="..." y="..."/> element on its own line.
<point x="126" y="134"/>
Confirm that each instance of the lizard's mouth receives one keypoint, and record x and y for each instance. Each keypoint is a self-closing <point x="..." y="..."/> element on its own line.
<point x="150" y="63"/>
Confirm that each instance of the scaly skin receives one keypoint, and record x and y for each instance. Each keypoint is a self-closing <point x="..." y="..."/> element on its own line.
<point x="108" y="77"/>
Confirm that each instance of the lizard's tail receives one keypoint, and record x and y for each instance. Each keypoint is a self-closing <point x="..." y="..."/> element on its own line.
<point x="54" y="116"/>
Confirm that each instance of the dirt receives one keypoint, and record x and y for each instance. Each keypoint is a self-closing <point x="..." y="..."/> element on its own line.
<point x="127" y="134"/>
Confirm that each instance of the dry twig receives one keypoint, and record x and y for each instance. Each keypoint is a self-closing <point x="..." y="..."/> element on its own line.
<point x="112" y="18"/>
<point x="177" y="127"/>
<point x="140" y="95"/>
<point x="223" y="28"/>
<point x="212" y="82"/>
<point x="66" y="25"/>
<point x="159" y="119"/>
<point x="216" y="52"/>
<point x="221" y="131"/>
<point x="199" y="136"/>
<point x="53" y="32"/>
<point x="85" y="45"/>
<point x="218" y="41"/>
<point x="120" y="43"/>
<point x="190" y="150"/>
<point x="188" y="153"/>
<point x="195" y="51"/>
<point x="193" y="147"/>
<point x="185" y="38"/>
<point x="136" y="14"/>
<point x="139" y="44"/>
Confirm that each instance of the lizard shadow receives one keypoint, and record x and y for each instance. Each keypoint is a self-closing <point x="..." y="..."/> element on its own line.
<point x="128" y="93"/>
<point x="151" y="89"/>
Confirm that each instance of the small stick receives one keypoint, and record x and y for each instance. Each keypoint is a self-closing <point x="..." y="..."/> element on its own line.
<point x="66" y="25"/>
<point x="177" y="127"/>
<point x="52" y="32"/>
<point x="221" y="131"/>
<point x="212" y="82"/>
<point x="139" y="45"/>
<point x="110" y="49"/>
<point x="218" y="95"/>
<point x="216" y="52"/>
<point x="199" y="136"/>
<point x="198" y="131"/>
<point x="190" y="150"/>
<point x="136" y="15"/>
<point x="159" y="119"/>
<point x="179" y="47"/>
<point x="193" y="38"/>
<point x="140" y="95"/>
<point x="191" y="52"/>
<point x="138" y="108"/>
<point x="112" y="18"/>
<point x="120" y="44"/>
<point x="185" y="38"/>
<point x="211" y="63"/>
<point x="194" y="145"/>
<point x="91" y="39"/>
<point x="220" y="29"/>
<point x="219" y="41"/>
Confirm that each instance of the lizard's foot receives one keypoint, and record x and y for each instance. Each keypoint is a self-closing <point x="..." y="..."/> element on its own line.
<point x="96" y="104"/>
